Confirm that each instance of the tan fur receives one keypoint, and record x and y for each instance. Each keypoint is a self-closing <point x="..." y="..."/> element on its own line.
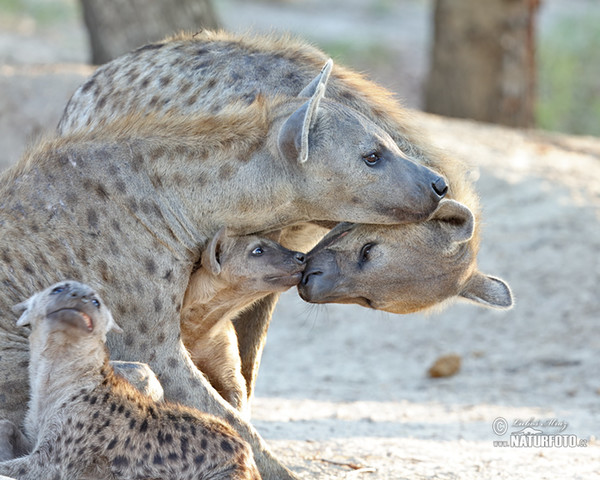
<point x="87" y="422"/>
<point x="235" y="272"/>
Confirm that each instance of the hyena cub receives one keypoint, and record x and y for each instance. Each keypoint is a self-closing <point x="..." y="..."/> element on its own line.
<point x="234" y="273"/>
<point x="86" y="422"/>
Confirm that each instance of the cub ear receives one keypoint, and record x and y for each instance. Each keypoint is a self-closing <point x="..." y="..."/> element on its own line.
<point x="488" y="291"/>
<point x="22" y="309"/>
<point x="112" y="325"/>
<point x="294" y="133"/>
<point x="456" y="219"/>
<point x="211" y="254"/>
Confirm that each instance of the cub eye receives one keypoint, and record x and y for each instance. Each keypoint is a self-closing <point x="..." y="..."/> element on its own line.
<point x="96" y="303"/>
<point x="58" y="290"/>
<point x="372" y="158"/>
<point x="258" y="251"/>
<point x="365" y="252"/>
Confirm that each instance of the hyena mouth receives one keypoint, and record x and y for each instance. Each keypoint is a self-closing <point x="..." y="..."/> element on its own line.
<point x="74" y="316"/>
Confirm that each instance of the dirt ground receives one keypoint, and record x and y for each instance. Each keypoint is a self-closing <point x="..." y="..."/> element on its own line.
<point x="343" y="392"/>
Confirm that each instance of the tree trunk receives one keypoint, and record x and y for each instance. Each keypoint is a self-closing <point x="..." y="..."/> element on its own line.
<point x="483" y="61"/>
<point x="118" y="26"/>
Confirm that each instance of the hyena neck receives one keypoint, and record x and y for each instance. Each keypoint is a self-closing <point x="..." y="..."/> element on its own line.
<point x="51" y="379"/>
<point x="220" y="301"/>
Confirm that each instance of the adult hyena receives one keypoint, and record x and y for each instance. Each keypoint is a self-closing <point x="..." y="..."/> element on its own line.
<point x="207" y="72"/>
<point x="127" y="208"/>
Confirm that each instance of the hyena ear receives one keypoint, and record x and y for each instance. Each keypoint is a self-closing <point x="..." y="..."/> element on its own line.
<point x="321" y="78"/>
<point x="211" y="254"/>
<point x="456" y="219"/>
<point x="488" y="291"/>
<point x="112" y="325"/>
<point x="22" y="309"/>
<point x="293" y="135"/>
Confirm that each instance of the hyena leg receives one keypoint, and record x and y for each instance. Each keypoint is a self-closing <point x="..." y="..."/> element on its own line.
<point x="31" y="467"/>
<point x="13" y="443"/>
<point x="251" y="327"/>
<point x="184" y="383"/>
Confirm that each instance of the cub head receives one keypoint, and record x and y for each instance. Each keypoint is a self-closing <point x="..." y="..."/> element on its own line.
<point x="69" y="310"/>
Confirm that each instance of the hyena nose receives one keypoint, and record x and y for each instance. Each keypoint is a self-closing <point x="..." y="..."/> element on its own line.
<point x="299" y="258"/>
<point x="440" y="187"/>
<point x="307" y="275"/>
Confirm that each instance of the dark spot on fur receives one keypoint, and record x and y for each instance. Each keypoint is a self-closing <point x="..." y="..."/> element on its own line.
<point x="199" y="459"/>
<point x="143" y="327"/>
<point x="101" y="191"/>
<point x="120" y="461"/>
<point x="145" y="82"/>
<point x="157" y="304"/>
<point x="129" y="339"/>
<point x="202" y="65"/>
<point x="144" y="426"/>
<point x="132" y="423"/>
<point x="167" y="276"/>
<point x="249" y="98"/>
<point x="160" y="338"/>
<point x="28" y="268"/>
<point x="157" y="460"/>
<point x="150" y="266"/>
<point x="226" y="172"/>
<point x="153" y="101"/>
<point x="137" y="162"/>
<point x="191" y="100"/>
<point x="93" y="400"/>
<point x="211" y="83"/>
<point x="92" y="218"/>
<point x="115" y="225"/>
<point x="184" y="88"/>
<point x="101" y="103"/>
<point x="6" y="257"/>
<point x="172" y="456"/>
<point x="121" y="186"/>
<point x="121" y="408"/>
<point x="226" y="446"/>
<point x="203" y="444"/>
<point x="164" y="81"/>
<point x="112" y="443"/>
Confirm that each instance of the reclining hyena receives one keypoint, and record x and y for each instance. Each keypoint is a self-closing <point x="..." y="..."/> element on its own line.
<point x="234" y="272"/>
<point x="209" y="71"/>
<point x="129" y="206"/>
<point x="86" y="422"/>
<point x="402" y="269"/>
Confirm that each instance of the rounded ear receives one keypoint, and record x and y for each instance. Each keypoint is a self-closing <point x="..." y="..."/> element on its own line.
<point x="488" y="291"/>
<point x="210" y="256"/>
<point x="22" y="309"/>
<point x="293" y="134"/>
<point x="456" y="219"/>
<point x="321" y="79"/>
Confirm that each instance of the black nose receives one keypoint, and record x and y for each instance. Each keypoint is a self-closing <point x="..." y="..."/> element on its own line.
<point x="440" y="187"/>
<point x="306" y="276"/>
<point x="299" y="258"/>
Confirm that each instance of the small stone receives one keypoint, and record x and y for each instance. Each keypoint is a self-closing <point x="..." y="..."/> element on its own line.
<point x="445" y="366"/>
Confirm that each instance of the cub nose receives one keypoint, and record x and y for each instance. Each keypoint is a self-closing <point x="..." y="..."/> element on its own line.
<point x="440" y="187"/>
<point x="299" y="258"/>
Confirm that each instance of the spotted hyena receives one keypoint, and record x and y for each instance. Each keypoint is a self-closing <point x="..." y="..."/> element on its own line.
<point x="86" y="422"/>
<point x="234" y="272"/>
<point x="207" y="72"/>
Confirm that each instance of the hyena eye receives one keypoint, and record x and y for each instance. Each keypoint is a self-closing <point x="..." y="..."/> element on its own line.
<point x="57" y="290"/>
<point x="372" y="158"/>
<point x="365" y="251"/>
<point x="258" y="251"/>
<point x="96" y="303"/>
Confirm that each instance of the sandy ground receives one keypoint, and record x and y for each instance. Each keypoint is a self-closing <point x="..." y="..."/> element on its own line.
<point x="348" y="385"/>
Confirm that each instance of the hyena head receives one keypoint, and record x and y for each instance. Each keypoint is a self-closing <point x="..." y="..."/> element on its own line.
<point x="354" y="162"/>
<point x="253" y="264"/>
<point x="402" y="269"/>
<point x="64" y="315"/>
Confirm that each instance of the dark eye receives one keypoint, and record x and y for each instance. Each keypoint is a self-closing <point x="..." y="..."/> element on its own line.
<point x="57" y="290"/>
<point x="96" y="303"/>
<point x="372" y="158"/>
<point x="365" y="251"/>
<point x="258" y="251"/>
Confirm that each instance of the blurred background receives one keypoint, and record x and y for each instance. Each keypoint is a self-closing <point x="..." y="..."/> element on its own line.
<point x="531" y="63"/>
